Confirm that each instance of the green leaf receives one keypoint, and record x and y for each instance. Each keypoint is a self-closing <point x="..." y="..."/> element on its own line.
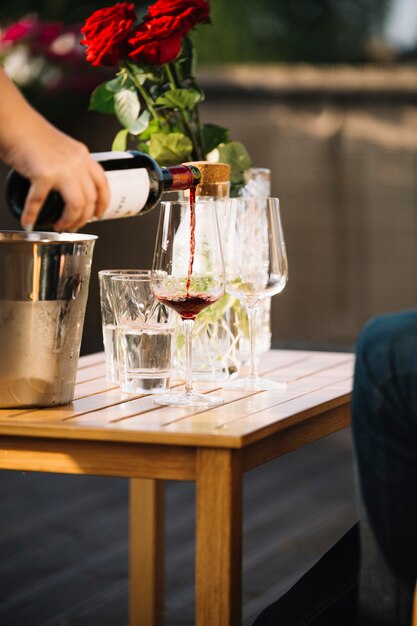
<point x="126" y="107"/>
<point x="182" y="99"/>
<point x="170" y="149"/>
<point x="116" y="84"/>
<point x="143" y="147"/>
<point x="199" y="93"/>
<point x="102" y="100"/>
<point x="214" y="135"/>
<point x="154" y="126"/>
<point x="141" y="124"/>
<point x="234" y="153"/>
<point x="120" y="140"/>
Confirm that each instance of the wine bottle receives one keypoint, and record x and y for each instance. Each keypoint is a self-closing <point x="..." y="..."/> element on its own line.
<point x="136" y="184"/>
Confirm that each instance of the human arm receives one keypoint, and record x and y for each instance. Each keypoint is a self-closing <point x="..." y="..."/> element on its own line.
<point x="50" y="159"/>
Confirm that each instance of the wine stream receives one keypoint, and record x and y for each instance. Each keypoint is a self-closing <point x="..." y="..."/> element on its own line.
<point x="192" y="239"/>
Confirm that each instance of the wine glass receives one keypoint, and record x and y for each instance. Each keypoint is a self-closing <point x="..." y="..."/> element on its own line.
<point x="188" y="276"/>
<point x="256" y="267"/>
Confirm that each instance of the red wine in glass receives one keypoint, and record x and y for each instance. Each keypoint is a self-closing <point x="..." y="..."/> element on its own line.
<point x="190" y="305"/>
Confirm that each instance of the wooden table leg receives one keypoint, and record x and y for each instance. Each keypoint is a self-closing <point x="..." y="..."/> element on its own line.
<point x="146" y="591"/>
<point x="218" y="538"/>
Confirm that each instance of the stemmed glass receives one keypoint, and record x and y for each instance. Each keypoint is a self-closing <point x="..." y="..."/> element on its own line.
<point x="188" y="276"/>
<point x="256" y="267"/>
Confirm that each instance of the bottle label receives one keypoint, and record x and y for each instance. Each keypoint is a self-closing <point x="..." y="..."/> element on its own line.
<point x="129" y="188"/>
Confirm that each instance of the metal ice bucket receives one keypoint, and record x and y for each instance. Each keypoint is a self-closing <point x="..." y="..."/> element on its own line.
<point x="44" y="281"/>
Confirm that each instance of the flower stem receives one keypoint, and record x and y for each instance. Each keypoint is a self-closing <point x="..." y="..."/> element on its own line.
<point x="170" y="76"/>
<point x="192" y="127"/>
<point x="142" y="91"/>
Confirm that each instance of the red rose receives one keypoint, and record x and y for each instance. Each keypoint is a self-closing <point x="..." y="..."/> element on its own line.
<point x="156" y="41"/>
<point x="106" y="32"/>
<point x="190" y="12"/>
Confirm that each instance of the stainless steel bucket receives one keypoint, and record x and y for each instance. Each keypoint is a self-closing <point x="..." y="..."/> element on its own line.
<point x="44" y="281"/>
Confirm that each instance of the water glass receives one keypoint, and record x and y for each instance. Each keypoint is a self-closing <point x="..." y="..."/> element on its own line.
<point x="144" y="331"/>
<point x="108" y="321"/>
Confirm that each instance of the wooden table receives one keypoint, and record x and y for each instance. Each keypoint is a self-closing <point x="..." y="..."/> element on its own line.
<point x="105" y="433"/>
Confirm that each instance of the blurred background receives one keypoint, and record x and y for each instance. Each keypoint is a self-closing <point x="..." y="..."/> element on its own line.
<point x="322" y="92"/>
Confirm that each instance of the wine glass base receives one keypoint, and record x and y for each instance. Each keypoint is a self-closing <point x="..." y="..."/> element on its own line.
<point x="188" y="400"/>
<point x="256" y="384"/>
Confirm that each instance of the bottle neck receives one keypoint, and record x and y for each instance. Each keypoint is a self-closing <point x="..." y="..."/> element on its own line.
<point x="180" y="177"/>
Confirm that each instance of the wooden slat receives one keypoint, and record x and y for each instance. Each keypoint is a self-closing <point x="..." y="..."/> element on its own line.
<point x="92" y="387"/>
<point x="91" y="372"/>
<point x="54" y="415"/>
<point x="90" y="359"/>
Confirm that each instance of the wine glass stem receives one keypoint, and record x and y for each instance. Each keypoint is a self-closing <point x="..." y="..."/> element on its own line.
<point x="252" y="311"/>
<point x="188" y="326"/>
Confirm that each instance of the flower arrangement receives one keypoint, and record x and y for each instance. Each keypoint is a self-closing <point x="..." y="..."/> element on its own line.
<point x="154" y="94"/>
<point x="155" y="97"/>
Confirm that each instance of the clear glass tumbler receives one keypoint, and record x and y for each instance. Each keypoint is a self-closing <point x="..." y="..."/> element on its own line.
<point x="144" y="331"/>
<point x="108" y="321"/>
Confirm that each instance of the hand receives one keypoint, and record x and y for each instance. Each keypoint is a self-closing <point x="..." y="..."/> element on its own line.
<point x="50" y="159"/>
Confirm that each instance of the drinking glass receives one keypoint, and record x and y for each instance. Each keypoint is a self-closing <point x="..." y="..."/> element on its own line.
<point x="144" y="331"/>
<point x="254" y="233"/>
<point x="188" y="276"/>
<point x="108" y="321"/>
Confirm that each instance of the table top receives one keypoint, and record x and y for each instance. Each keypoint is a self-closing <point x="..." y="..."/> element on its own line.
<point x="317" y="382"/>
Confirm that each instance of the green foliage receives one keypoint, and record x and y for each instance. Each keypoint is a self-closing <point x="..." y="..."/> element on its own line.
<point x="140" y="125"/>
<point x="102" y="99"/>
<point x="213" y="136"/>
<point x="126" y="107"/>
<point x="120" y="140"/>
<point x="234" y="153"/>
<point x="171" y="148"/>
<point x="179" y="99"/>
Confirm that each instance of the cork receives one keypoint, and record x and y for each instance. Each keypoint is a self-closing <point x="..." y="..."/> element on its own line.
<point x="215" y="178"/>
<point x="212" y="172"/>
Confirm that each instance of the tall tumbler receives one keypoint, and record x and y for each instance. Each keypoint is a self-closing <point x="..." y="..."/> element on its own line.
<point x="44" y="280"/>
<point x="108" y="322"/>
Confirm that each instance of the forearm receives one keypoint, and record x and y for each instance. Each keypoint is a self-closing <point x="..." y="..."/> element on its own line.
<point x="18" y="120"/>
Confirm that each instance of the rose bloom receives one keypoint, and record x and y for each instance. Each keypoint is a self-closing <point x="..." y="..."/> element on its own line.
<point x="190" y="12"/>
<point x="106" y="32"/>
<point x="156" y="41"/>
